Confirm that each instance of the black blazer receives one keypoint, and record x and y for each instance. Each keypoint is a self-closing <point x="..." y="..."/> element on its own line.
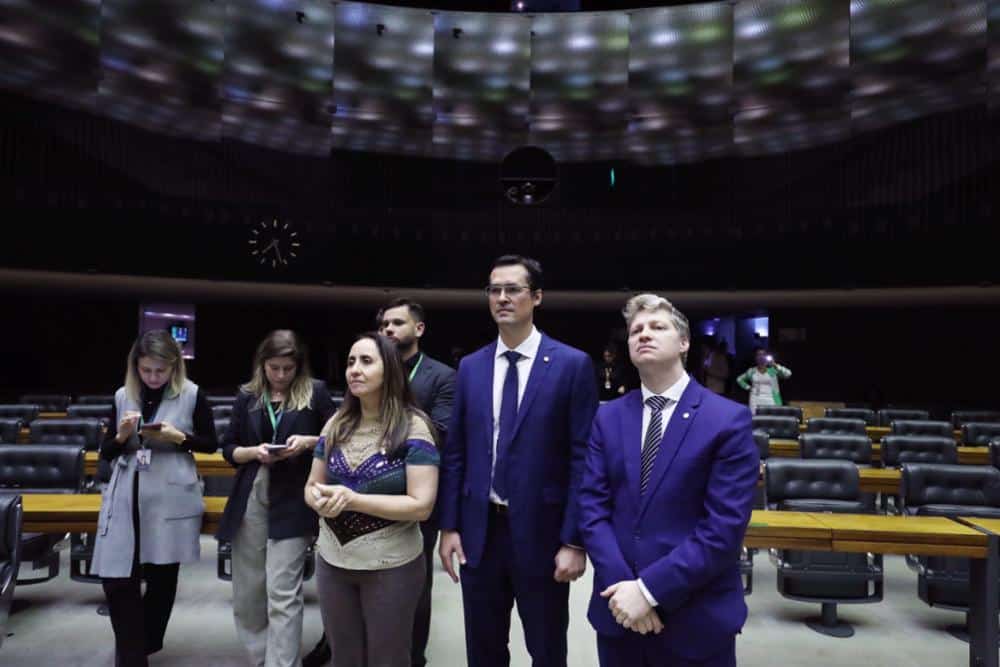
<point x="433" y="389"/>
<point x="288" y="515"/>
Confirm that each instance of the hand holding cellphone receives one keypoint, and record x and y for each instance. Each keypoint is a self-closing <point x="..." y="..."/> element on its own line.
<point x="276" y="447"/>
<point x="155" y="426"/>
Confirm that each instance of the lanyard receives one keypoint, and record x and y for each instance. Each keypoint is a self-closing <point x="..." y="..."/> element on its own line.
<point x="275" y="418"/>
<point x="420" y="360"/>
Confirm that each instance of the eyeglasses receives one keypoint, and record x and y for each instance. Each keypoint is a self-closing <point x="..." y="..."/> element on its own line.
<point x="513" y="291"/>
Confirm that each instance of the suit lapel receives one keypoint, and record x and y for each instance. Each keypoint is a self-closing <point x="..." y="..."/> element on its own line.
<point x="631" y="427"/>
<point x="255" y="414"/>
<point x="680" y="421"/>
<point x="544" y="359"/>
<point x="485" y="391"/>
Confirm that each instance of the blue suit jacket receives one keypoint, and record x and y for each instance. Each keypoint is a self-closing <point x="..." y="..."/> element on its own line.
<point x="683" y="536"/>
<point x="546" y="456"/>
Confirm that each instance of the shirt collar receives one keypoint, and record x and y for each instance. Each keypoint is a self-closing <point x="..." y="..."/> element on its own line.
<point x="528" y="347"/>
<point x="412" y="361"/>
<point x="673" y="392"/>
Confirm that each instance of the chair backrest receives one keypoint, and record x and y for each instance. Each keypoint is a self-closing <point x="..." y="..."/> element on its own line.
<point x="95" y="399"/>
<point x="944" y="489"/>
<point x="222" y="411"/>
<point x="921" y="427"/>
<point x="845" y="446"/>
<point x="41" y="468"/>
<point x="91" y="411"/>
<point x="780" y="411"/>
<point x="864" y="414"/>
<point x="10" y="429"/>
<point x="786" y="428"/>
<point x="220" y="400"/>
<point x="85" y="432"/>
<point x="836" y="426"/>
<point x="10" y="530"/>
<point x="763" y="441"/>
<point x="887" y="415"/>
<point x="980" y="433"/>
<point x="821" y="479"/>
<point x="995" y="453"/>
<point x="221" y="425"/>
<point x="961" y="417"/>
<point x="26" y="412"/>
<point x="899" y="449"/>
<point x="47" y="402"/>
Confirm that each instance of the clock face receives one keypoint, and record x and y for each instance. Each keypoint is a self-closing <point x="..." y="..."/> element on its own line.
<point x="274" y="243"/>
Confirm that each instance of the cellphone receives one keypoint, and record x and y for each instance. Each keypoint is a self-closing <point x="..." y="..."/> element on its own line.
<point x="770" y="359"/>
<point x="155" y="426"/>
<point x="275" y="447"/>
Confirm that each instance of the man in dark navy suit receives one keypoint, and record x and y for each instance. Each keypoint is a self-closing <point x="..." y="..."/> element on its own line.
<point x="510" y="473"/>
<point x="665" y="501"/>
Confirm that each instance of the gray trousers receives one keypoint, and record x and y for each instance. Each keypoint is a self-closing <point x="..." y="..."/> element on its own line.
<point x="267" y="586"/>
<point x="368" y="614"/>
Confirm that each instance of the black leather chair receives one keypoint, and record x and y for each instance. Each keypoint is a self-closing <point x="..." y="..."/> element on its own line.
<point x="836" y="426"/>
<point x="864" y="414"/>
<point x="780" y="411"/>
<point x="220" y="400"/>
<point x="900" y="449"/>
<point x="825" y="577"/>
<point x="887" y="415"/>
<point x="10" y="544"/>
<point x="980" y="433"/>
<point x="995" y="453"/>
<point x="222" y="411"/>
<point x="220" y="427"/>
<point x="763" y="441"/>
<point x="783" y="428"/>
<point x="96" y="399"/>
<point x="10" y="429"/>
<point x="91" y="411"/>
<point x="921" y="427"/>
<point x="843" y="446"/>
<point x="47" y="402"/>
<point x="27" y="413"/>
<point x="85" y="432"/>
<point x="961" y="417"/>
<point x="950" y="491"/>
<point x="40" y="469"/>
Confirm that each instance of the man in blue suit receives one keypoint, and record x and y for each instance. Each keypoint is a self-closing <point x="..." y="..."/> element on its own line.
<point x="665" y="501"/>
<point x="510" y="473"/>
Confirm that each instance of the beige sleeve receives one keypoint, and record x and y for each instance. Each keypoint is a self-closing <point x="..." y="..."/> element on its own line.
<point x="419" y="430"/>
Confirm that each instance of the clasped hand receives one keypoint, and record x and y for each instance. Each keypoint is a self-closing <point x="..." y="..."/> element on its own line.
<point x="630" y="608"/>
<point x="330" y="500"/>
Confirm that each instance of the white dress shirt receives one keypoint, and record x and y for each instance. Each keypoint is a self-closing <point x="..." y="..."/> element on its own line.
<point x="528" y="350"/>
<point x="673" y="395"/>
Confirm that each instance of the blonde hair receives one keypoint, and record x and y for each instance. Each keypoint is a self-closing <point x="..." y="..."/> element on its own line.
<point x="158" y="344"/>
<point x="650" y="302"/>
<point x="283" y="343"/>
<point x="396" y="409"/>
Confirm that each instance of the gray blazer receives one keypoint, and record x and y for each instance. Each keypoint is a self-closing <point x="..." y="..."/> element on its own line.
<point x="170" y="502"/>
<point x="433" y="389"/>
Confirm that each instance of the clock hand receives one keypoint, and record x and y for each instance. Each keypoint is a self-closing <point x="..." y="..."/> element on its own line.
<point x="270" y="245"/>
<point x="277" y="251"/>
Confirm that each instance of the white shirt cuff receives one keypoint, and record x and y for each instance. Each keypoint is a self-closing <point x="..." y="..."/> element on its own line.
<point x="646" y="594"/>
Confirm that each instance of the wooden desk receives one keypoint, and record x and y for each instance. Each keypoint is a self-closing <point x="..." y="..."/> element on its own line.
<point x="789" y="449"/>
<point x="209" y="465"/>
<point x="77" y="512"/>
<point x="52" y="415"/>
<point x="787" y="530"/>
<point x="927" y="536"/>
<point x="876" y="433"/>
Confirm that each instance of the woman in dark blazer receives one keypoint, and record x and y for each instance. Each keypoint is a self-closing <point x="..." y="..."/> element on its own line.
<point x="274" y="426"/>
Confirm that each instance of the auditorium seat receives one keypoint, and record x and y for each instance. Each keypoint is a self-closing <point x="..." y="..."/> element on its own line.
<point x="220" y="400"/>
<point x="887" y="415"/>
<point x="10" y="429"/>
<point x="84" y="432"/>
<point x="864" y="414"/>
<point x="979" y="433"/>
<point x="26" y="412"/>
<point x="921" y="427"/>
<point x="220" y="427"/>
<point x="900" y="449"/>
<point x="91" y="411"/>
<point x="995" y="453"/>
<point x="949" y="491"/>
<point x="763" y="441"/>
<point x="47" y="402"/>
<point x="40" y="469"/>
<point x="777" y="428"/>
<point x="780" y="411"/>
<point x="10" y="540"/>
<point x="843" y="446"/>
<point x="836" y="426"/>
<point x="222" y="411"/>
<point x="95" y="399"/>
<point x="828" y="578"/>
<point x="962" y="417"/>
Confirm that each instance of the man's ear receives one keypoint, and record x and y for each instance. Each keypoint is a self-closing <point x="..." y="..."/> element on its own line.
<point x="536" y="297"/>
<point x="418" y="329"/>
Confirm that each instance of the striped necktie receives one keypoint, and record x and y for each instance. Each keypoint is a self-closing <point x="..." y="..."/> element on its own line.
<point x="651" y="443"/>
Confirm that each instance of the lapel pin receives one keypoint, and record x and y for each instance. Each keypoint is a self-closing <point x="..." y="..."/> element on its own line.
<point x="545" y="359"/>
<point x="686" y="415"/>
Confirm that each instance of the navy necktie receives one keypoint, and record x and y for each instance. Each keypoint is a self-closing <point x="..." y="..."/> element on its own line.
<point x="651" y="443"/>
<point x="508" y="417"/>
